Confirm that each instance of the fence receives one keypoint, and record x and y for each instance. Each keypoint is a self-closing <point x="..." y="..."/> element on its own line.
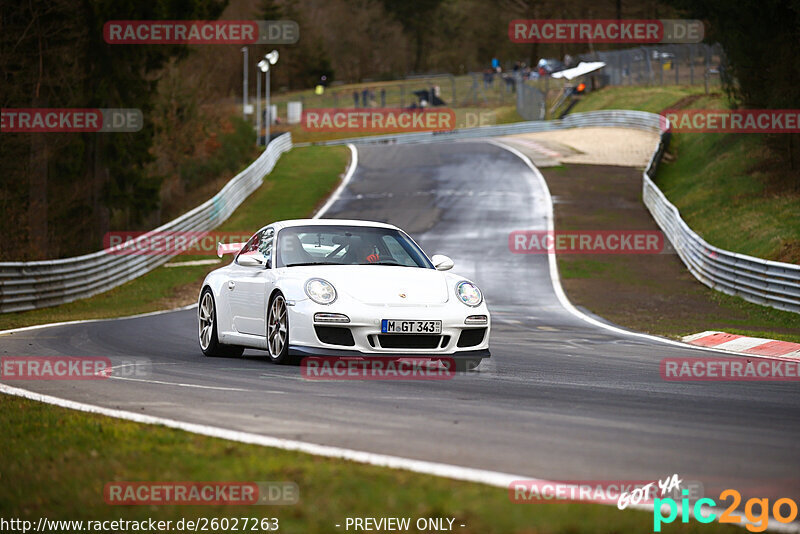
<point x="679" y="64"/>
<point x="757" y="280"/>
<point x="468" y="90"/>
<point x="37" y="284"/>
<point x="664" y="64"/>
<point x="29" y="285"/>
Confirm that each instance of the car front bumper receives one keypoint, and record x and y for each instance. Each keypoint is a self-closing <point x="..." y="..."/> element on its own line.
<point x="368" y="341"/>
<point x="320" y="352"/>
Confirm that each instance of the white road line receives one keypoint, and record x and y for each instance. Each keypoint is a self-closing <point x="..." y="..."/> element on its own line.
<point x="84" y="321"/>
<point x="491" y="478"/>
<point x="333" y="198"/>
<point x="466" y="474"/>
<point x="198" y="386"/>
<point x="351" y="169"/>
<point x="556" y="280"/>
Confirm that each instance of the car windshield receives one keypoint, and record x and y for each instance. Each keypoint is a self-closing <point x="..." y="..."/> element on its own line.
<point x="347" y="245"/>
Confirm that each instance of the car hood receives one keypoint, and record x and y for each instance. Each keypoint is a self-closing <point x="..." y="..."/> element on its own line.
<point x="383" y="284"/>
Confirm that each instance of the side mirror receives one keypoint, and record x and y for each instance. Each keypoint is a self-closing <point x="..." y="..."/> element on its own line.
<point x="441" y="262"/>
<point x="248" y="260"/>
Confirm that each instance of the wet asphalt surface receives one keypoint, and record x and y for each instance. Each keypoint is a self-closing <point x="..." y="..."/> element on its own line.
<point x="560" y="398"/>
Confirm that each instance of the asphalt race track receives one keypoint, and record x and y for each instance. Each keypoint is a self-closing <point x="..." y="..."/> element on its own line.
<point x="560" y="398"/>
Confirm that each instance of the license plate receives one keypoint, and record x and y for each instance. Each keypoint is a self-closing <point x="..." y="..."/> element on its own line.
<point x="395" y="326"/>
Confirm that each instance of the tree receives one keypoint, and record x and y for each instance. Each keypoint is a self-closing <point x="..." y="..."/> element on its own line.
<point x="762" y="66"/>
<point x="416" y="17"/>
<point x="52" y="54"/>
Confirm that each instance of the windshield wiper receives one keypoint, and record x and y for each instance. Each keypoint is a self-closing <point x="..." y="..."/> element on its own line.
<point x="312" y="263"/>
<point x="393" y="264"/>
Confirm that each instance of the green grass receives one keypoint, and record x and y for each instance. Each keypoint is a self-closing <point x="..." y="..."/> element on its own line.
<point x="585" y="268"/>
<point x="299" y="184"/>
<point x="724" y="184"/>
<point x="727" y="191"/>
<point x="150" y="292"/>
<point x="724" y="189"/>
<point x="56" y="463"/>
<point x="235" y="147"/>
<point x="729" y="314"/>
<point x="652" y="99"/>
<point x="300" y="181"/>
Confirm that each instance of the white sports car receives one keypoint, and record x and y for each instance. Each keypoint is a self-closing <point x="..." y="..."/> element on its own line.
<point x="333" y="287"/>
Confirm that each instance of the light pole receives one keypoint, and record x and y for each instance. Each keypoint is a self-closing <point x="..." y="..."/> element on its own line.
<point x="244" y="83"/>
<point x="258" y="106"/>
<point x="272" y="58"/>
<point x="264" y="67"/>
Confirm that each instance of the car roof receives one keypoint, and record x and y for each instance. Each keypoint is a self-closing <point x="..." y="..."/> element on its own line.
<point x="330" y="222"/>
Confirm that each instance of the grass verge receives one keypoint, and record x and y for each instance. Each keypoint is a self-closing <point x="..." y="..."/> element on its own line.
<point x="56" y="463"/>
<point x="652" y="293"/>
<point x="725" y="185"/>
<point x="729" y="191"/>
<point x="639" y="98"/>
<point x="300" y="181"/>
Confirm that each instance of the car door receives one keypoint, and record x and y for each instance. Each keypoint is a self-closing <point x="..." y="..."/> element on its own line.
<point x="249" y="285"/>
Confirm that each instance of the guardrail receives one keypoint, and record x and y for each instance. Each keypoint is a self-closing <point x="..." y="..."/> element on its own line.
<point x="30" y="285"/>
<point x="770" y="283"/>
<point x="634" y="119"/>
<point x="38" y="284"/>
<point x="754" y="279"/>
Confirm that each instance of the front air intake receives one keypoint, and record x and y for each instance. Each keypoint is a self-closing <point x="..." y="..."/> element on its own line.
<point x="471" y="337"/>
<point x="335" y="335"/>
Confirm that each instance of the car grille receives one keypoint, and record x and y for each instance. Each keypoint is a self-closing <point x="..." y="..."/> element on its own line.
<point x="335" y="335"/>
<point x="471" y="337"/>
<point x="409" y="341"/>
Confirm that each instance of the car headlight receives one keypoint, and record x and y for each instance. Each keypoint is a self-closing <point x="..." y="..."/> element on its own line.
<point x="320" y="291"/>
<point x="468" y="293"/>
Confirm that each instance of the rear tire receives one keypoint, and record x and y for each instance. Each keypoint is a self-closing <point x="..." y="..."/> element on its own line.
<point x="207" y="329"/>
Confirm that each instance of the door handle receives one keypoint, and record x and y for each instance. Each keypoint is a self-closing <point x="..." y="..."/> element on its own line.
<point x="231" y="284"/>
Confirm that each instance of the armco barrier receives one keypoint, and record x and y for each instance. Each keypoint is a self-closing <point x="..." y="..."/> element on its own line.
<point x="756" y="280"/>
<point x="31" y="285"/>
<point x="37" y="284"/>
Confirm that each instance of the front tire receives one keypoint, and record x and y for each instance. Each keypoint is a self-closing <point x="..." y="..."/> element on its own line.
<point x="278" y="331"/>
<point x="207" y="329"/>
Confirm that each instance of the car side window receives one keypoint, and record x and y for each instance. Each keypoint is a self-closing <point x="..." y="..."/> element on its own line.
<point x="265" y="245"/>
<point x="260" y="245"/>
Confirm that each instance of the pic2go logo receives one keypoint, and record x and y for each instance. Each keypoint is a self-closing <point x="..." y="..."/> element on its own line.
<point x="758" y="522"/>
